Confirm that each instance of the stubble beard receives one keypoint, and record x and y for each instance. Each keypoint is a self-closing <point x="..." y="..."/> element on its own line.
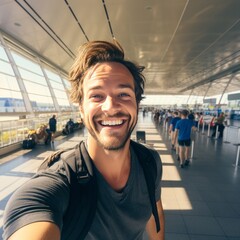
<point x="114" y="145"/>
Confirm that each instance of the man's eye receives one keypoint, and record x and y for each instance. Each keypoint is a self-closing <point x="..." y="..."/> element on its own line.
<point x="124" y="95"/>
<point x="96" y="96"/>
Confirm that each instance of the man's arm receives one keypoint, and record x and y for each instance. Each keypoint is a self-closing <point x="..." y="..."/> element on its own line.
<point x="151" y="225"/>
<point x="37" y="208"/>
<point x="170" y="129"/>
<point x="175" y="135"/>
<point x="194" y="128"/>
<point x="37" y="231"/>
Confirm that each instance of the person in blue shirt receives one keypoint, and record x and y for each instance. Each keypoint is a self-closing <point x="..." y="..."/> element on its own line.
<point x="172" y="126"/>
<point x="183" y="136"/>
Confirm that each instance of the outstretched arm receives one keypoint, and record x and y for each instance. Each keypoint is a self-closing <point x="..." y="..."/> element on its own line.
<point x="37" y="231"/>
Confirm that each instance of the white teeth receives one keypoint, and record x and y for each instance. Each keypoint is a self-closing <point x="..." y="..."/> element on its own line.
<point x="112" y="123"/>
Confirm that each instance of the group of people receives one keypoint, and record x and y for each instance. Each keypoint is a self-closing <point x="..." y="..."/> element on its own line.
<point x="180" y="130"/>
<point x="44" y="134"/>
<point x="182" y="125"/>
<point x="41" y="135"/>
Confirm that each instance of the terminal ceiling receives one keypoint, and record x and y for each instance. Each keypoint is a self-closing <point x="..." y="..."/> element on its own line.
<point x="187" y="46"/>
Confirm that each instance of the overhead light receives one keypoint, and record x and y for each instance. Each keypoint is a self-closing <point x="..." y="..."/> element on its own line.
<point x="148" y="8"/>
<point x="17" y="24"/>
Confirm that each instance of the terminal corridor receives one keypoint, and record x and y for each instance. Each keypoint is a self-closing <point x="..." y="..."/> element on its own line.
<point x="200" y="202"/>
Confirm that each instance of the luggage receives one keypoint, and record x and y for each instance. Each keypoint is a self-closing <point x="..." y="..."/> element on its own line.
<point x="28" y="144"/>
<point x="141" y="136"/>
<point x="49" y="137"/>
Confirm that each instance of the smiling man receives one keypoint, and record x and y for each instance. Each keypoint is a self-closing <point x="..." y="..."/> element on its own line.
<point x="109" y="107"/>
<point x="108" y="89"/>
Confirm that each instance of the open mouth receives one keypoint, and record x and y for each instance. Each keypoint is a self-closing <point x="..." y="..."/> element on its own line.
<point x="112" y="123"/>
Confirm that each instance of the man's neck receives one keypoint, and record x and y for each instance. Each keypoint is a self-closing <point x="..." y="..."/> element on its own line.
<point x="114" y="165"/>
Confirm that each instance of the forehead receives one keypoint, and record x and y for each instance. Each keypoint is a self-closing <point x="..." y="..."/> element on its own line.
<point x="108" y="72"/>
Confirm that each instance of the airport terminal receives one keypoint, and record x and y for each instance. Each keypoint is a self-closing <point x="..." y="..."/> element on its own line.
<point x="190" y="50"/>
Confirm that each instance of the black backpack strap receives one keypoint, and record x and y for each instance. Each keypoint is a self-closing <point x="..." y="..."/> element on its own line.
<point x="83" y="168"/>
<point x="83" y="190"/>
<point x="149" y="166"/>
<point x="83" y="195"/>
<point x="51" y="159"/>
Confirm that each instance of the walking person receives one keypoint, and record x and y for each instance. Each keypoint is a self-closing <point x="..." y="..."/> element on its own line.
<point x="53" y="127"/>
<point x="108" y="89"/>
<point x="220" y="123"/>
<point x="172" y="126"/>
<point x="183" y="137"/>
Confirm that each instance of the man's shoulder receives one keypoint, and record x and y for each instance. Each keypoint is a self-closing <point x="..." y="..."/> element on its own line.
<point x="176" y="119"/>
<point x="179" y="122"/>
<point x="70" y="153"/>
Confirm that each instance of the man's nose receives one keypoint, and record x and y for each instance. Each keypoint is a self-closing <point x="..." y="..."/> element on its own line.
<point x="110" y="104"/>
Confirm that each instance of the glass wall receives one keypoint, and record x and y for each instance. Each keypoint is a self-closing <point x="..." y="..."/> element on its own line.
<point x="17" y="130"/>
<point x="75" y="106"/>
<point x="35" y="83"/>
<point x="58" y="89"/>
<point x="32" y="89"/>
<point x="10" y="95"/>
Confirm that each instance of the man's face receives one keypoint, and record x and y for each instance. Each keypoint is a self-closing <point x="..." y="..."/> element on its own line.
<point x="109" y="107"/>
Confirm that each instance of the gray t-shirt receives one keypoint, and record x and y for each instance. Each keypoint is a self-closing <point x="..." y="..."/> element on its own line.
<point x="121" y="215"/>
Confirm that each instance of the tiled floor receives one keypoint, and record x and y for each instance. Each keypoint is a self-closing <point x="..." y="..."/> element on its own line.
<point x="201" y="202"/>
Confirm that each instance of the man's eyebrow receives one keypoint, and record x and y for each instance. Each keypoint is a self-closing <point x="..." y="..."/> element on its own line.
<point x="126" y="86"/>
<point x="119" y="86"/>
<point x="95" y="88"/>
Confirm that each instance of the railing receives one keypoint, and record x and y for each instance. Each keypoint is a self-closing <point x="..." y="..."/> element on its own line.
<point x="17" y="130"/>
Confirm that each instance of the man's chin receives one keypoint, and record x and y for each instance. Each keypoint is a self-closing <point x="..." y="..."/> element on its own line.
<point x="112" y="145"/>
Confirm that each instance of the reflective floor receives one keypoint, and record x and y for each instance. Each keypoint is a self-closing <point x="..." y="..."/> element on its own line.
<point x="201" y="202"/>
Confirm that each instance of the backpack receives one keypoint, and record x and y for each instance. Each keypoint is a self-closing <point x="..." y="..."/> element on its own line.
<point x="83" y="190"/>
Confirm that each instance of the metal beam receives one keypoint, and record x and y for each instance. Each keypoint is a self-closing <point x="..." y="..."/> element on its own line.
<point x="231" y="78"/>
<point x="234" y="69"/>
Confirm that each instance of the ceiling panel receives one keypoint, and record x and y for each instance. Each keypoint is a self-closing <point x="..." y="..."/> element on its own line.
<point x="182" y="43"/>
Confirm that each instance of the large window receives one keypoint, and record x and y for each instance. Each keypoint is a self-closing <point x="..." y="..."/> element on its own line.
<point x="5" y="67"/>
<point x="35" y="83"/>
<point x="10" y="96"/>
<point x="75" y="106"/>
<point x="27" y="85"/>
<point x="3" y="55"/>
<point x="58" y="89"/>
<point x="26" y="63"/>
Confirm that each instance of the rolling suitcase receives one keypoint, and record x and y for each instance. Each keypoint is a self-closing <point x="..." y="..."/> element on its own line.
<point x="28" y="144"/>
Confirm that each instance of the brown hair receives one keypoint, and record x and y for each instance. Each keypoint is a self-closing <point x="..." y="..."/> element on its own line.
<point x="91" y="53"/>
